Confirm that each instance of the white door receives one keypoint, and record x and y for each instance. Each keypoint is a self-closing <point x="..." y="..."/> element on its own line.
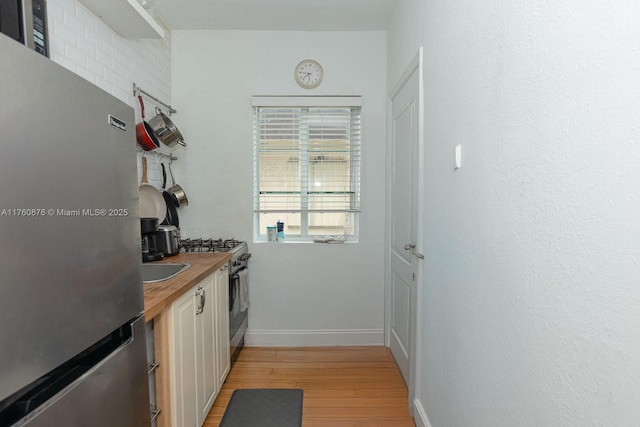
<point x="403" y="228"/>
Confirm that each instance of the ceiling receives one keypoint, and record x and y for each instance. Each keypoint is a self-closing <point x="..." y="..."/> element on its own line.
<point x="294" y="15"/>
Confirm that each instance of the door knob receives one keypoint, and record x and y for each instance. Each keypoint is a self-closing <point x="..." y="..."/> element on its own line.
<point x="412" y="247"/>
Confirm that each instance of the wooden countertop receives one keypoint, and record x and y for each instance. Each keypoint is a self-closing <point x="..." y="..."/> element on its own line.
<point x="160" y="295"/>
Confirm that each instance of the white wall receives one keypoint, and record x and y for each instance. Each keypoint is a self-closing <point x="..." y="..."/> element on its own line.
<point x="84" y="44"/>
<point x="532" y="269"/>
<point x="301" y="294"/>
<point x="404" y="37"/>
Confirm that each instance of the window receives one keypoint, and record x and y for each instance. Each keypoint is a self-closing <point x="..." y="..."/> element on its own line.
<point x="307" y="166"/>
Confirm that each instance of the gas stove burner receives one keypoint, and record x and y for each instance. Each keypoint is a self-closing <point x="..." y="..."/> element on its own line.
<point x="226" y="245"/>
<point x="209" y="245"/>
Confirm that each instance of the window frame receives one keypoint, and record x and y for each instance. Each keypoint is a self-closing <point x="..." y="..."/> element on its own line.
<point x="308" y="102"/>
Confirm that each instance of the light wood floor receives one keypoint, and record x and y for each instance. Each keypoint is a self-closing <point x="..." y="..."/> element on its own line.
<point x="343" y="386"/>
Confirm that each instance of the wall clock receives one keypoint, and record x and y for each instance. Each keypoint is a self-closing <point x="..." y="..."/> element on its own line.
<point x="308" y="74"/>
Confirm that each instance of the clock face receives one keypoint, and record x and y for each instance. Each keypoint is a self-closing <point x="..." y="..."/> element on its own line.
<point x="308" y="74"/>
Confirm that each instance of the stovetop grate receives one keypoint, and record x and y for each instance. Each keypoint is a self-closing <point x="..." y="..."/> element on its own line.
<point x="209" y="245"/>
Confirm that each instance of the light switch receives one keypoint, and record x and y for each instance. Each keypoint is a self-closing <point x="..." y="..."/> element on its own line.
<point x="458" y="156"/>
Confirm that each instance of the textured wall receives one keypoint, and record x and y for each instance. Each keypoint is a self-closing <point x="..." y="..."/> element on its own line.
<point x="532" y="270"/>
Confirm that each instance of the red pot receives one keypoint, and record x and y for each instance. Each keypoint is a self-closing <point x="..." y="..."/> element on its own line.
<point x="144" y="133"/>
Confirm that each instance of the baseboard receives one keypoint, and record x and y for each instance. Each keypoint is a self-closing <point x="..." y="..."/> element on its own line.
<point x="313" y="338"/>
<point x="420" y="415"/>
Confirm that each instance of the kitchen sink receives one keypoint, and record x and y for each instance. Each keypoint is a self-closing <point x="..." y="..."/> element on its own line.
<point x="152" y="273"/>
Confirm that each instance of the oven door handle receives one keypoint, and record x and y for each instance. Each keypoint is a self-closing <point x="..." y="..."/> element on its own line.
<point x="236" y="275"/>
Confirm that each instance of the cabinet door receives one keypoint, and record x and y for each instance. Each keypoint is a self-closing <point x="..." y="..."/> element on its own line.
<point x="206" y="354"/>
<point x="195" y="339"/>
<point x="183" y="365"/>
<point x="222" y="324"/>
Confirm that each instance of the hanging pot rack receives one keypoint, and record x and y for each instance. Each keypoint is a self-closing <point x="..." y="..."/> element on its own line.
<point x="137" y="90"/>
<point x="157" y="155"/>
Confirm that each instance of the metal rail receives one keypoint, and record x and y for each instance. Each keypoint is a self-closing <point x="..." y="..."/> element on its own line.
<point x="157" y="155"/>
<point x="138" y="90"/>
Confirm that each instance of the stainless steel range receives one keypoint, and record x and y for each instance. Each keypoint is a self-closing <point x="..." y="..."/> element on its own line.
<point x="238" y="283"/>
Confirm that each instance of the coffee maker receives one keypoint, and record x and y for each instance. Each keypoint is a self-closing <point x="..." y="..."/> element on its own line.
<point x="168" y="240"/>
<point x="150" y="249"/>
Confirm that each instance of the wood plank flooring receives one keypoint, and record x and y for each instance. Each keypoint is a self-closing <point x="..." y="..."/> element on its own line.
<point x="343" y="386"/>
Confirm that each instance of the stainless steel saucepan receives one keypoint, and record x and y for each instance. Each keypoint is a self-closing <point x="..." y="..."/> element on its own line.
<point x="176" y="191"/>
<point x="165" y="130"/>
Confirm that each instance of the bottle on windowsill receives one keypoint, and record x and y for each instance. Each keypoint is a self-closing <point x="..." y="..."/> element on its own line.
<point x="271" y="233"/>
<point x="280" y="226"/>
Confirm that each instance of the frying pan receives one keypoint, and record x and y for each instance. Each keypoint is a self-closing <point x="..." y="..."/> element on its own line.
<point x="145" y="135"/>
<point x="152" y="204"/>
<point x="172" y="212"/>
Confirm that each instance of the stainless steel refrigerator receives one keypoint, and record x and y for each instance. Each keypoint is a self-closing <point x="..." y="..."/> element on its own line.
<point x="72" y="340"/>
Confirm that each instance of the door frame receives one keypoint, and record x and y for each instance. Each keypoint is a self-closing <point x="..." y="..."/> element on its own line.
<point x="415" y="65"/>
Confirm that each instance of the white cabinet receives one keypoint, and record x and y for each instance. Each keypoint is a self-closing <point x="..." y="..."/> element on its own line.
<point x="223" y="353"/>
<point x="126" y="17"/>
<point x="184" y="369"/>
<point x="206" y="381"/>
<point x="199" y="348"/>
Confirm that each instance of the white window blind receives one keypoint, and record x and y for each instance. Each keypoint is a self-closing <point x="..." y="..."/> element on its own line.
<point x="307" y="164"/>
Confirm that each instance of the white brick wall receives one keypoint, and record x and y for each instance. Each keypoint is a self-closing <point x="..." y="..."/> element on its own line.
<point x="84" y="44"/>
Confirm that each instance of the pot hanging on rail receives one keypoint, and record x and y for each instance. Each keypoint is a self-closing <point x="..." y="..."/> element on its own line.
<point x="166" y="130"/>
<point x="144" y="132"/>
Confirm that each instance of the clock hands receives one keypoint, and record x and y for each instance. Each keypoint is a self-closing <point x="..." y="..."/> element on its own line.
<point x="306" y="76"/>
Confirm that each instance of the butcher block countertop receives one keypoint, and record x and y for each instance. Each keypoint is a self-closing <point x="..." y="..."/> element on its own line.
<point x="160" y="295"/>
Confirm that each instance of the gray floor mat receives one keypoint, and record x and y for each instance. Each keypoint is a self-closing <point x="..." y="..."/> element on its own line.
<point x="264" y="408"/>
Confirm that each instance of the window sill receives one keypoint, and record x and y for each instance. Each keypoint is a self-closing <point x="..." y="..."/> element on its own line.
<point x="291" y="241"/>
